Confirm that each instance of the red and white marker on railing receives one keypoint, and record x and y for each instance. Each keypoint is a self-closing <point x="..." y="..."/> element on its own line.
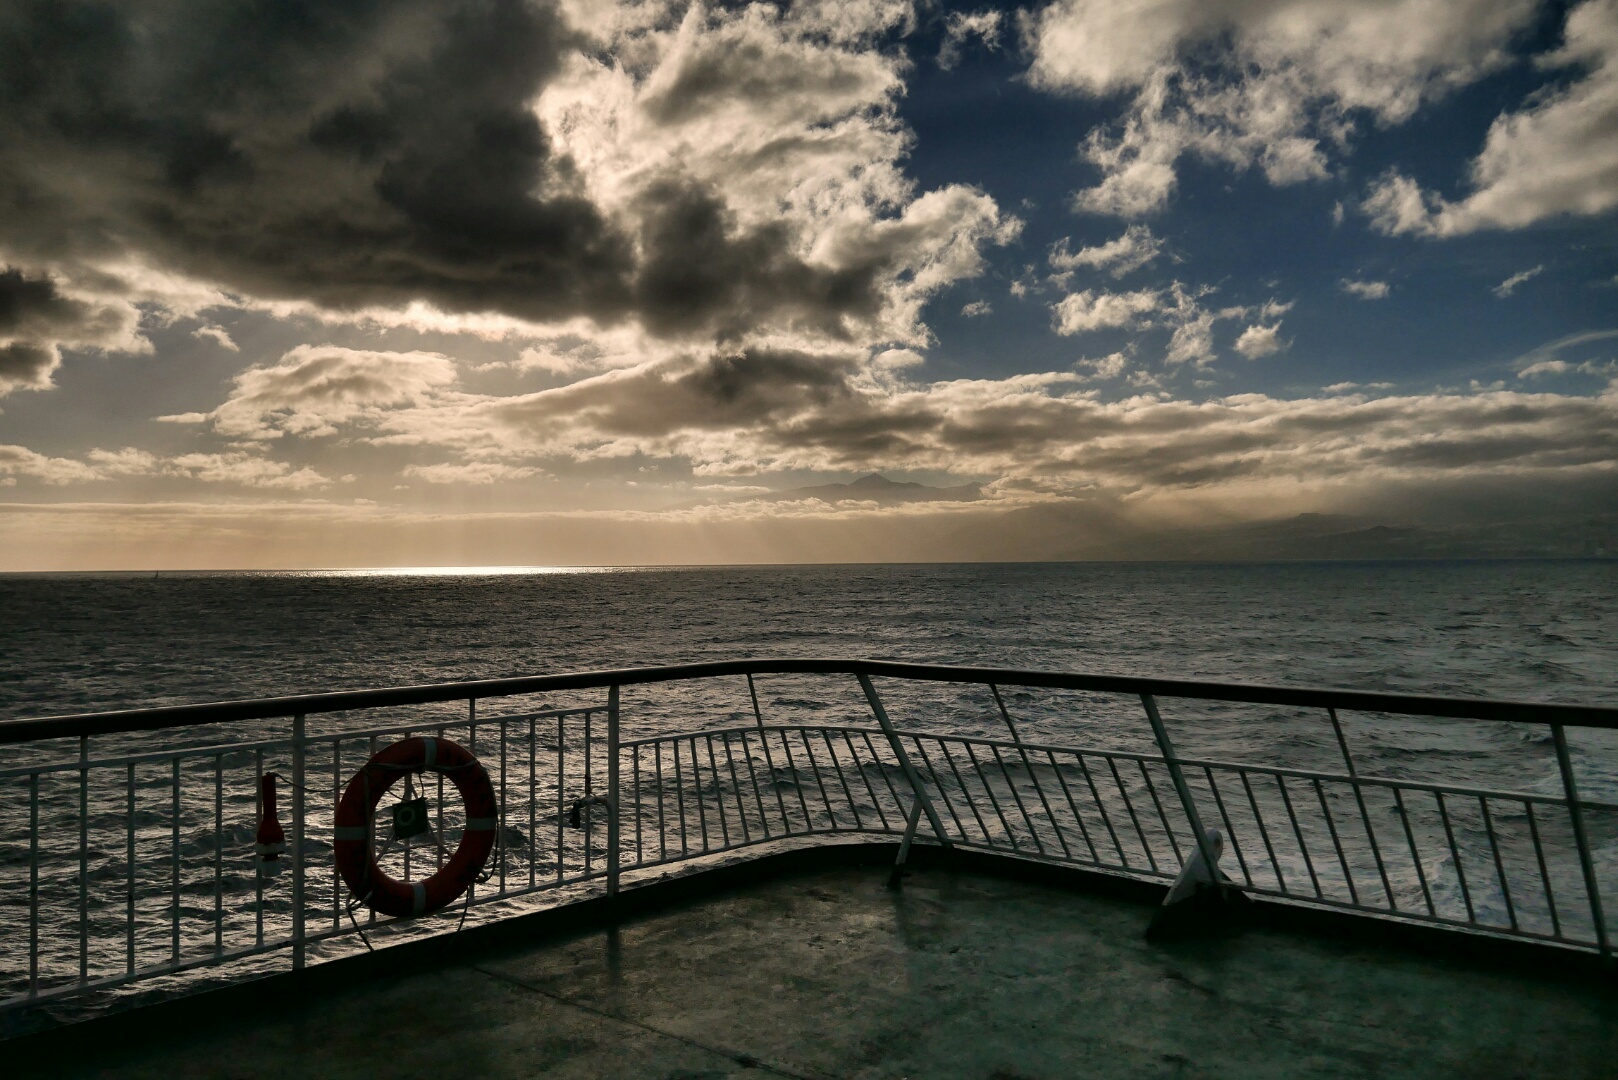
<point x="270" y="842"/>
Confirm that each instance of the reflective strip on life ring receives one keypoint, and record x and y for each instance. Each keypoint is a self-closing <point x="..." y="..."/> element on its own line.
<point x="351" y="833"/>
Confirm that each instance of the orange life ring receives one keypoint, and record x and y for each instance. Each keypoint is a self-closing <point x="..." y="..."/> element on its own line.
<point x="356" y="860"/>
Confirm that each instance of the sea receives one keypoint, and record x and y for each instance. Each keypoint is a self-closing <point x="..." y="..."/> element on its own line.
<point x="1525" y="630"/>
<point x="1535" y="630"/>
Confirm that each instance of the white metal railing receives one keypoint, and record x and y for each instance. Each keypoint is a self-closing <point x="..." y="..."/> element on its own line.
<point x="118" y="868"/>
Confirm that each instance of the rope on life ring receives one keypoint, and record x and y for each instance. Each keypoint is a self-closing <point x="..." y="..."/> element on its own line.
<point x="352" y="840"/>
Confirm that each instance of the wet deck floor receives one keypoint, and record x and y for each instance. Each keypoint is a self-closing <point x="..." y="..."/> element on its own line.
<point x="829" y="974"/>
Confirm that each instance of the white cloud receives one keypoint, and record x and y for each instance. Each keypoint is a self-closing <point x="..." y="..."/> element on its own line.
<point x="316" y="387"/>
<point x="1558" y="156"/>
<point x="977" y="308"/>
<point x="1509" y="286"/>
<point x="1545" y="367"/>
<point x="234" y="467"/>
<point x="1272" y="84"/>
<point x="18" y="461"/>
<point x="1192" y="341"/>
<point x="1257" y="341"/>
<point x="246" y="469"/>
<point x="796" y="133"/>
<point x="1111" y="366"/>
<point x="1082" y="312"/>
<point x="218" y="335"/>
<point x="1365" y="290"/>
<point x="1131" y="251"/>
<point x="961" y="27"/>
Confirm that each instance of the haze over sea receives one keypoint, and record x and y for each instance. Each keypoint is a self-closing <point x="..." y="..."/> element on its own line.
<point x="1543" y="630"/>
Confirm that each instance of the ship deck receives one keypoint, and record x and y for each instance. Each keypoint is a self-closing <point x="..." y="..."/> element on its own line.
<point x="822" y="971"/>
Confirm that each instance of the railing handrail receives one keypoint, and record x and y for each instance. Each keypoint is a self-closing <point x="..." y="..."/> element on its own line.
<point x="103" y="723"/>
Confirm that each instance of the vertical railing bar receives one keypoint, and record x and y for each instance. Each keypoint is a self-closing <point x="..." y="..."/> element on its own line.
<point x="702" y="802"/>
<point x="949" y="804"/>
<point x="662" y="814"/>
<point x="1331" y="827"/>
<point x="129" y="869"/>
<point x="174" y="861"/>
<point x="533" y="801"/>
<point x="408" y="792"/>
<point x="84" y="858"/>
<point x="1016" y="737"/>
<point x="1230" y="830"/>
<point x="842" y="780"/>
<point x="1263" y="832"/>
<point x="1544" y="871"/>
<point x="472" y="746"/>
<point x="1592" y="886"/>
<point x="1455" y="853"/>
<point x="679" y="795"/>
<point x="258" y="875"/>
<point x="300" y="849"/>
<point x="1162" y="816"/>
<point x="752" y="773"/>
<point x="1415" y="852"/>
<point x="797" y="783"/>
<point x="370" y="746"/>
<point x="218" y="855"/>
<point x="33" y="881"/>
<point x="887" y="778"/>
<point x="881" y="814"/>
<point x="1499" y="864"/>
<point x="1365" y="814"/>
<point x="640" y="855"/>
<point x="966" y="793"/>
<point x="586" y="810"/>
<point x="718" y="792"/>
<point x="500" y="818"/>
<point x="736" y="784"/>
<point x="1297" y="830"/>
<point x="1039" y="845"/>
<point x="336" y="795"/>
<point x="1084" y="832"/>
<point x="561" y="797"/>
<point x="820" y="781"/>
<point x="614" y="817"/>
<point x="1101" y="808"/>
<point x="916" y="788"/>
<point x="1172" y="761"/>
<point x="1129" y="805"/>
<point x="438" y="813"/>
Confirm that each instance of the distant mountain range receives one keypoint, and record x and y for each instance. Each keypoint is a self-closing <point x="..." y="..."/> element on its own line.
<point x="1102" y="530"/>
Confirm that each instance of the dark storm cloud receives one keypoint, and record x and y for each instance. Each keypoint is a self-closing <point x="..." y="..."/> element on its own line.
<point x="36" y="318"/>
<point x="700" y="274"/>
<point x="367" y="153"/>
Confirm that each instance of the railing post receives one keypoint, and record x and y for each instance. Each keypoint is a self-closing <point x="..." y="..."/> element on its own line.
<point x="916" y="787"/>
<point x="752" y="692"/>
<point x="612" y="791"/>
<point x="1172" y="760"/>
<point x="1005" y="714"/>
<point x="1580" y="839"/>
<point x="297" y="842"/>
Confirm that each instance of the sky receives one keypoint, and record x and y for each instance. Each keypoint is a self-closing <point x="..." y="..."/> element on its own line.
<point x="450" y="282"/>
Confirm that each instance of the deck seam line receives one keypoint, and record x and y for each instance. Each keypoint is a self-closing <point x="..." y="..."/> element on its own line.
<point x="746" y="1060"/>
